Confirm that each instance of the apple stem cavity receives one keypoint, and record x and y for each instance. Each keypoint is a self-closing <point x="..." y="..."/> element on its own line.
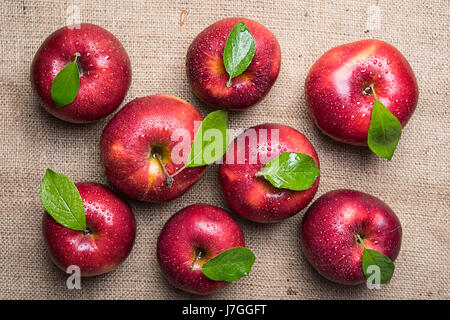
<point x="87" y="231"/>
<point x="198" y="257"/>
<point x="169" y="177"/>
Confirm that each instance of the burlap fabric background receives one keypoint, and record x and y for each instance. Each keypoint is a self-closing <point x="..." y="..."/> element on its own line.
<point x="156" y="35"/>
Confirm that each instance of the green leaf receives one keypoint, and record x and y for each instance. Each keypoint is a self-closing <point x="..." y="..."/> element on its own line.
<point x="65" y="86"/>
<point x="384" y="131"/>
<point x="294" y="171"/>
<point x="239" y="50"/>
<point x="230" y="265"/>
<point x="63" y="202"/>
<point x="375" y="258"/>
<point x="211" y="140"/>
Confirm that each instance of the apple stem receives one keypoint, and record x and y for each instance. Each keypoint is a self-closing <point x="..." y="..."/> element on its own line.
<point x="198" y="257"/>
<point x="169" y="178"/>
<point x="373" y="90"/>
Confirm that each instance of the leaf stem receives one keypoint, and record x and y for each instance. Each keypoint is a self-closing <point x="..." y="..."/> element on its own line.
<point x="373" y="90"/>
<point x="360" y="240"/>
<point x="229" y="82"/>
<point x="178" y="171"/>
<point x="77" y="54"/>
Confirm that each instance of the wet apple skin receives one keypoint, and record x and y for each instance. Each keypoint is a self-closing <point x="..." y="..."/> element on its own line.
<point x="254" y="198"/>
<point x="105" y="72"/>
<point x="127" y="141"/>
<point x="334" y="88"/>
<point x="329" y="227"/>
<point x="207" y="75"/>
<point x="113" y="231"/>
<point x="198" y="226"/>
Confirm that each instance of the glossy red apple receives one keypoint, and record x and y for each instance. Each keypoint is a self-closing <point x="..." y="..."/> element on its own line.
<point x="105" y="72"/>
<point x="191" y="237"/>
<point x="207" y="75"/>
<point x="338" y="92"/>
<point x="254" y="198"/>
<point x="107" y="240"/>
<point x="329" y="230"/>
<point x="139" y="133"/>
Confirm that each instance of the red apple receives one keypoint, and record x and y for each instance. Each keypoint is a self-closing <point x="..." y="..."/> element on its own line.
<point x="105" y="72"/>
<point x="191" y="237"/>
<point x="254" y="198"/>
<point x="208" y="77"/>
<point x="329" y="230"/>
<point x="338" y="92"/>
<point x="104" y="244"/>
<point x="141" y="132"/>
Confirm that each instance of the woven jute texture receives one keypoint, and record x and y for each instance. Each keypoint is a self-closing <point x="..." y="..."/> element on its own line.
<point x="156" y="35"/>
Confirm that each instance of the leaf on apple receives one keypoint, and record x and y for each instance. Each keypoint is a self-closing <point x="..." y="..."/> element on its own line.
<point x="239" y="50"/>
<point x="381" y="262"/>
<point x="384" y="131"/>
<point x="61" y="199"/>
<point x="65" y="86"/>
<point x="210" y="141"/>
<point x="230" y="265"/>
<point x="294" y="171"/>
